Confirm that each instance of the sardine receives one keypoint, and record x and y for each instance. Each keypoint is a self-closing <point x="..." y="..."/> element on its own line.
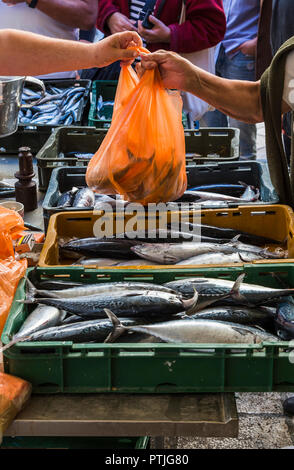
<point x="42" y="317"/>
<point x="55" y="108"/>
<point x="194" y="331"/>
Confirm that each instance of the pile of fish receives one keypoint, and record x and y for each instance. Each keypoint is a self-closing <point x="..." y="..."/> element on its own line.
<point x="78" y="198"/>
<point x="104" y="109"/>
<point x="76" y="155"/>
<point x="59" y="106"/>
<point x="211" y="194"/>
<point x="6" y="189"/>
<point x="199" y="246"/>
<point x="198" y="196"/>
<point x="190" y="310"/>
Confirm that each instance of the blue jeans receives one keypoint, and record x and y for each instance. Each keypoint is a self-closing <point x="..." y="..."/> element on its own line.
<point x="239" y="67"/>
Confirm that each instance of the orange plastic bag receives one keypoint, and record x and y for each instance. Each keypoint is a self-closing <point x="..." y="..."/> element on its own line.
<point x="11" y="270"/>
<point x="14" y="392"/>
<point x="11" y="226"/>
<point x="143" y="154"/>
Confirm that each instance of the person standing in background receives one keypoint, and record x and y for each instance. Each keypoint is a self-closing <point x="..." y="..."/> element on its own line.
<point x="59" y="19"/>
<point x="236" y="61"/>
<point x="204" y="26"/>
<point x="282" y="28"/>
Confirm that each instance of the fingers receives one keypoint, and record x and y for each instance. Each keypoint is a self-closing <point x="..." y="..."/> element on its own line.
<point x="128" y="54"/>
<point x="139" y="69"/>
<point x="130" y="38"/>
<point x="148" y="65"/>
<point x="155" y="20"/>
<point x="156" y="57"/>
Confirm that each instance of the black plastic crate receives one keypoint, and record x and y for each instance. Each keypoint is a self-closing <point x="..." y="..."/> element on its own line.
<point x="202" y="146"/>
<point x="36" y="137"/>
<point x="251" y="172"/>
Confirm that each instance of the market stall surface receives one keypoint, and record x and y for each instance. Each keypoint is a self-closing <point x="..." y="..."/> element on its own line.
<point x="262" y="425"/>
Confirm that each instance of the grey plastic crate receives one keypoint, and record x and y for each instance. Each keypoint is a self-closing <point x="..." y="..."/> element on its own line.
<point x="250" y="172"/>
<point x="202" y="146"/>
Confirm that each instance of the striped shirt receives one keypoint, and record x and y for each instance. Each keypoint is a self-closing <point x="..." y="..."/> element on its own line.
<point x="135" y="8"/>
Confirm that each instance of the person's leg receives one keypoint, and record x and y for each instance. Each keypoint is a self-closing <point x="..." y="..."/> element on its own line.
<point x="216" y="118"/>
<point x="242" y="67"/>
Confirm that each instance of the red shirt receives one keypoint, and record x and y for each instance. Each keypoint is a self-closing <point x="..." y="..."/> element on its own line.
<point x="204" y="27"/>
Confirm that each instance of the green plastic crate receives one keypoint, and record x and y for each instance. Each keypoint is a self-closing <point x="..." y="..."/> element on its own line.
<point x="64" y="367"/>
<point x="107" y="89"/>
<point x="75" y="442"/>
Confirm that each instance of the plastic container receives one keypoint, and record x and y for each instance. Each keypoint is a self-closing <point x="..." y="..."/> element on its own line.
<point x="253" y="173"/>
<point x="275" y="222"/>
<point x="106" y="89"/>
<point x="75" y="442"/>
<point x="202" y="146"/>
<point x="36" y="137"/>
<point x="64" y="367"/>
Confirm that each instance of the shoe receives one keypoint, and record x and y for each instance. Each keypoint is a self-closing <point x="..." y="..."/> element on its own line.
<point x="288" y="406"/>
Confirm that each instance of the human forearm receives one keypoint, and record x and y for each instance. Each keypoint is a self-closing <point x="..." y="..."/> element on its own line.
<point x="23" y="53"/>
<point x="75" y="13"/>
<point x="239" y="99"/>
<point x="236" y="98"/>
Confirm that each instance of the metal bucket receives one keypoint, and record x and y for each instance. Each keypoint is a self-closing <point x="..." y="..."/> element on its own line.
<point x="10" y="101"/>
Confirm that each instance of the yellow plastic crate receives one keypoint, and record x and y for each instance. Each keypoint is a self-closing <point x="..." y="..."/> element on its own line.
<point x="272" y="221"/>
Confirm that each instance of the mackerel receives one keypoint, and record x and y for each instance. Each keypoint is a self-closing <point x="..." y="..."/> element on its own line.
<point x="42" y="317"/>
<point x="194" y="331"/>
<point x="132" y="304"/>
<point x="220" y="258"/>
<point x="207" y="288"/>
<point x="119" y="288"/>
<point x="285" y="320"/>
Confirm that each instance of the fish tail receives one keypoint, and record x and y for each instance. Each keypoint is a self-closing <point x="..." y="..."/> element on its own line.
<point x="235" y="291"/>
<point x="235" y="239"/>
<point x="13" y="342"/>
<point x="257" y="194"/>
<point x="31" y="290"/>
<point x="118" y="328"/>
<point x="277" y="253"/>
<point x="190" y="303"/>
